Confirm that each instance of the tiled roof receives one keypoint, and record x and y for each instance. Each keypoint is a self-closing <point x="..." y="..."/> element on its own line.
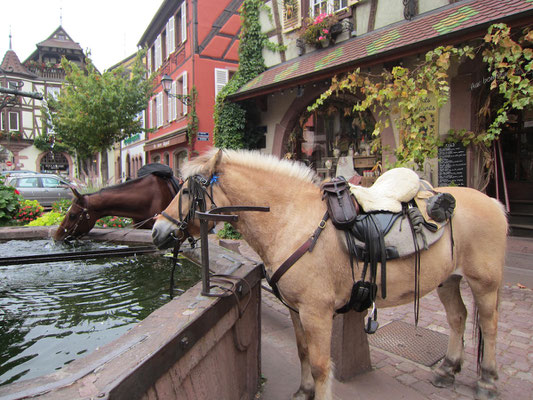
<point x="12" y="65"/>
<point x="432" y="26"/>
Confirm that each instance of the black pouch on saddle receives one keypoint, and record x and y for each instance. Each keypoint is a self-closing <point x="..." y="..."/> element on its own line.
<point x="340" y="202"/>
<point x="441" y="206"/>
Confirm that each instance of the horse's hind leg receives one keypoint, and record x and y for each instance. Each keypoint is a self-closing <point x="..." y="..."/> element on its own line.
<point x="450" y="296"/>
<point x="307" y="384"/>
<point x="486" y="298"/>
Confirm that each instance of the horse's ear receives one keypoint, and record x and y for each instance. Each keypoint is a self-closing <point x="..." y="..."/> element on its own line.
<point x="76" y="193"/>
<point x="212" y="165"/>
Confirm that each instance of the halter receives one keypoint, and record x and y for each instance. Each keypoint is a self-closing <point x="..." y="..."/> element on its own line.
<point x="84" y="214"/>
<point x="198" y="188"/>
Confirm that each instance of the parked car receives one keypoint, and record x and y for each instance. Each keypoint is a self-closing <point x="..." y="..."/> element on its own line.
<point x="45" y="188"/>
<point x="16" y="172"/>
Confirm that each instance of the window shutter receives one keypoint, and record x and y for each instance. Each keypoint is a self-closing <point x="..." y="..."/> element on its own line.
<point x="292" y="16"/>
<point x="184" y="21"/>
<point x="149" y="59"/>
<point x="159" y="109"/>
<point x="158" y="59"/>
<point x="171" y="36"/>
<point x="173" y="101"/>
<point x="221" y="78"/>
<point x="184" y="90"/>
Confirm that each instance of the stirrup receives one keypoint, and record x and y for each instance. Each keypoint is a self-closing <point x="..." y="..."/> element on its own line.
<point x="372" y="324"/>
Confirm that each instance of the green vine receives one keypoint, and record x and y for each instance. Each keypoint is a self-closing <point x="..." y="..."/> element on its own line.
<point x="404" y="94"/>
<point x="192" y="116"/>
<point x="232" y="130"/>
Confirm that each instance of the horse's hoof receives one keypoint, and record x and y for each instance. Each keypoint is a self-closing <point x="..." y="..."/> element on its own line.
<point x="486" y="392"/>
<point x="442" y="379"/>
<point x="303" y="395"/>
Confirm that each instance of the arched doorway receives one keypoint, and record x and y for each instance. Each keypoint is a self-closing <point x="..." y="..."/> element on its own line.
<point x="56" y="163"/>
<point x="180" y="157"/>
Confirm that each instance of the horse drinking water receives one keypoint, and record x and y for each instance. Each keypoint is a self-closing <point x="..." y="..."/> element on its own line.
<point x="140" y="199"/>
<point x="320" y="281"/>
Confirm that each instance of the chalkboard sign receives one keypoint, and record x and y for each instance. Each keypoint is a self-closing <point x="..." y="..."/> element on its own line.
<point x="452" y="165"/>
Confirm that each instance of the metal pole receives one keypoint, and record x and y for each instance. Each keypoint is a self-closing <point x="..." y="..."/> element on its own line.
<point x="205" y="257"/>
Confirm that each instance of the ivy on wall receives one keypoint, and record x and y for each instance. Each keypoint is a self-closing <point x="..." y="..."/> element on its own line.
<point x="403" y="93"/>
<point x="192" y="116"/>
<point x="232" y="127"/>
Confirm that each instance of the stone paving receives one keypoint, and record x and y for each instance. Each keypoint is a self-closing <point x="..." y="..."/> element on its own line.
<point x="514" y="347"/>
<point x="514" y="344"/>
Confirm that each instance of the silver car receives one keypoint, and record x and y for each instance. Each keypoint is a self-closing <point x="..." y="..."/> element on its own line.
<point x="45" y="188"/>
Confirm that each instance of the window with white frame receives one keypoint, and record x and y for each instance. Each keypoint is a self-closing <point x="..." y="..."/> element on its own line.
<point x="183" y="25"/>
<point x="158" y="58"/>
<point x="13" y="121"/>
<point x="327" y="6"/>
<point x="181" y="88"/>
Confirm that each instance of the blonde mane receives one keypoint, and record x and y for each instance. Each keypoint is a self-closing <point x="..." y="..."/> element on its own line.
<point x="256" y="160"/>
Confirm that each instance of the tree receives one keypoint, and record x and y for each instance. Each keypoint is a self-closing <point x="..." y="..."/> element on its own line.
<point x="95" y="110"/>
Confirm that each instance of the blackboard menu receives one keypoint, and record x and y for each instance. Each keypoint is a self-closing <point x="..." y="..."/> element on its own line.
<point x="452" y="165"/>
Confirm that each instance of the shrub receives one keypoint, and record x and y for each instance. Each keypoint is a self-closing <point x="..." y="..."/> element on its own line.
<point x="61" y="206"/>
<point x="47" y="219"/>
<point x="228" y="232"/>
<point x="113" y="222"/>
<point x="9" y="202"/>
<point x="29" y="210"/>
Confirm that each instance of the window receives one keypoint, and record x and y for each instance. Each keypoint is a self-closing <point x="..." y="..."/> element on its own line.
<point x="292" y="15"/>
<point x="181" y="88"/>
<point x="183" y="26"/>
<point x="52" y="92"/>
<point x="167" y="159"/>
<point x="180" y="159"/>
<point x="158" y="60"/>
<point x="164" y="46"/>
<point x="172" y="110"/>
<point x="156" y="158"/>
<point x="13" y="121"/>
<point x="51" y="182"/>
<point x="150" y="58"/>
<point x="28" y="182"/>
<point x="327" y="6"/>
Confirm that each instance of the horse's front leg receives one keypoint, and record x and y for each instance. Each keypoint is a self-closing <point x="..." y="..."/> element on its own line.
<point x="317" y="324"/>
<point x="306" y="390"/>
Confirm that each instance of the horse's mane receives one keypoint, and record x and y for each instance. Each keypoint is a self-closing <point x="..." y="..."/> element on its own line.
<point x="254" y="160"/>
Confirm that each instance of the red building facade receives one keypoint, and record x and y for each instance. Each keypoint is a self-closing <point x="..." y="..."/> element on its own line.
<point x="195" y="42"/>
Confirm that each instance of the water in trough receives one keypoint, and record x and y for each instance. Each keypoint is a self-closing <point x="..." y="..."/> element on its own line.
<point x="53" y="313"/>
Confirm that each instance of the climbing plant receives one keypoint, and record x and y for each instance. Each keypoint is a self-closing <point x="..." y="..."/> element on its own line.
<point x="231" y="127"/>
<point x="402" y="94"/>
<point x="192" y="116"/>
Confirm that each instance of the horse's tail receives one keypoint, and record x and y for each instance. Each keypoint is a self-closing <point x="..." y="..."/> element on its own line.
<point x="502" y="208"/>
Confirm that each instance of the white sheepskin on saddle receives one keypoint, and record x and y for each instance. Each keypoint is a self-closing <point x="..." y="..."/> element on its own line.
<point x="395" y="186"/>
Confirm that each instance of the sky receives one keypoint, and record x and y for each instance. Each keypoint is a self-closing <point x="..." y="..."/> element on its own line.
<point x="110" y="29"/>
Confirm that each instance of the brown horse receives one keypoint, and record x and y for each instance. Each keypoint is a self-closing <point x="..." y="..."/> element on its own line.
<point x="320" y="282"/>
<point x="140" y="199"/>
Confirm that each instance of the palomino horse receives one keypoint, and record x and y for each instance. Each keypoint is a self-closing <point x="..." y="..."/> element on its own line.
<point x="320" y="282"/>
<point x="140" y="199"/>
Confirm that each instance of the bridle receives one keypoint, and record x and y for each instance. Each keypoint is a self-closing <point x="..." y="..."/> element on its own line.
<point x="198" y="188"/>
<point x="84" y="214"/>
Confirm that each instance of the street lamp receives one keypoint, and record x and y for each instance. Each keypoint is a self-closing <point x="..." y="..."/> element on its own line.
<point x="166" y="82"/>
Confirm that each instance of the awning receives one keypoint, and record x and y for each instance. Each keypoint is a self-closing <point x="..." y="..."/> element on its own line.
<point x="454" y="23"/>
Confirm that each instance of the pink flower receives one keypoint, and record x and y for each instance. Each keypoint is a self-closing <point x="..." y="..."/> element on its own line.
<point x="321" y="38"/>
<point x="325" y="31"/>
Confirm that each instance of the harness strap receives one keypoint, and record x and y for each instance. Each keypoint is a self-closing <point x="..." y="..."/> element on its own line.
<point x="307" y="246"/>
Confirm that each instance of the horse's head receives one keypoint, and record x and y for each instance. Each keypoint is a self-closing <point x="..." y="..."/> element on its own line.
<point x="178" y="221"/>
<point x="78" y="220"/>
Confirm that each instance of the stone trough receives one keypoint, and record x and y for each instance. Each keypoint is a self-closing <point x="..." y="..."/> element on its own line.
<point x="194" y="347"/>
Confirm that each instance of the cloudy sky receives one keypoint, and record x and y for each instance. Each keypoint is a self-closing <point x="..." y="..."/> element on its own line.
<point x="110" y="29"/>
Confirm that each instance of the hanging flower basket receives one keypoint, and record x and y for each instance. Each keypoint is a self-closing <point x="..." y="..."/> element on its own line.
<point x="317" y="31"/>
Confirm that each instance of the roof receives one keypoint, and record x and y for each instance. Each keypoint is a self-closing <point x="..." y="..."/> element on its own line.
<point x="435" y="26"/>
<point x="12" y="65"/>
<point x="60" y="39"/>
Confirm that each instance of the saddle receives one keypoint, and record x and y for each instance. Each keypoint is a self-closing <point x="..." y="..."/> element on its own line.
<point x="162" y="171"/>
<point x="398" y="216"/>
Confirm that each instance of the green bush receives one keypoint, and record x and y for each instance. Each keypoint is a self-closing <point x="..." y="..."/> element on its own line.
<point x="228" y="232"/>
<point x="50" y="218"/>
<point x="61" y="206"/>
<point x="9" y="202"/>
<point x="113" y="222"/>
<point x="29" y="210"/>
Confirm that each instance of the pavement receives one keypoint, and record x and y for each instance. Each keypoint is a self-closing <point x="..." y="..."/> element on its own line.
<point x="395" y="377"/>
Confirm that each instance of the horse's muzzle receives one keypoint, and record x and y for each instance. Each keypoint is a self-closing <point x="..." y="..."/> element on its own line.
<point x="163" y="241"/>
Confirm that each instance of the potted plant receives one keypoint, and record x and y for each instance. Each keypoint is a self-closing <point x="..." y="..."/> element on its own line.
<point x="317" y="31"/>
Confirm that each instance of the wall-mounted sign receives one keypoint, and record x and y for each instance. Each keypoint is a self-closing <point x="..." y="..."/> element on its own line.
<point x="202" y="136"/>
<point x="452" y="165"/>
